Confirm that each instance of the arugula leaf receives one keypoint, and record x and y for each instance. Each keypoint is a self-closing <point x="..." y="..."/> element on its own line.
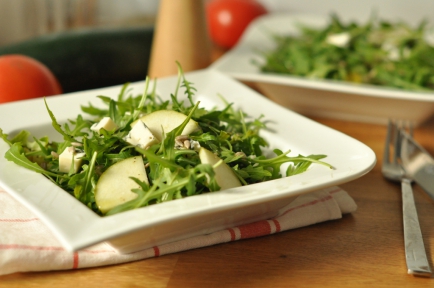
<point x="16" y="155"/>
<point x="5" y="137"/>
<point x="57" y="126"/>
<point x="84" y="184"/>
<point x="189" y="89"/>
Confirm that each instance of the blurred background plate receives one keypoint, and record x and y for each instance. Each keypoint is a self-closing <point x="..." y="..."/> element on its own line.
<point x="319" y="98"/>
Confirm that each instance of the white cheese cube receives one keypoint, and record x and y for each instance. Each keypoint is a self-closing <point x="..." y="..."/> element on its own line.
<point x="393" y="52"/>
<point x="67" y="157"/>
<point x="105" y="123"/>
<point x="140" y="136"/>
<point x="339" y="40"/>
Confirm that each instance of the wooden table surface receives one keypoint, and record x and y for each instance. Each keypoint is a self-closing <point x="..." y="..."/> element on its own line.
<point x="363" y="249"/>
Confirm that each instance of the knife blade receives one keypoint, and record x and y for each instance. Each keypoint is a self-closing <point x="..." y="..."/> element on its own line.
<point x="417" y="163"/>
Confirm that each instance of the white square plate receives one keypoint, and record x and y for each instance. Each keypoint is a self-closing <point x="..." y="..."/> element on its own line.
<point x="77" y="227"/>
<point x="322" y="98"/>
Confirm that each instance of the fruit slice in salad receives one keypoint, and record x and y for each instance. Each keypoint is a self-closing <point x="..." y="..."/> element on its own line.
<point x="115" y="184"/>
<point x="224" y="174"/>
<point x="164" y="121"/>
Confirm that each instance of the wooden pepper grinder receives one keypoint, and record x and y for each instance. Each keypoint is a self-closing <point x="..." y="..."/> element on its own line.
<point x="180" y="35"/>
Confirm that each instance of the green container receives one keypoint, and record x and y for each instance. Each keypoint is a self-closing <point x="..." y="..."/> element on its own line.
<point x="91" y="58"/>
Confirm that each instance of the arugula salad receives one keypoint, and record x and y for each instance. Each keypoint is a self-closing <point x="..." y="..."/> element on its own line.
<point x="140" y="150"/>
<point x="377" y="53"/>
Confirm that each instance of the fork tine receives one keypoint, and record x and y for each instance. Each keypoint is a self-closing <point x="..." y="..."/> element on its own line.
<point x="410" y="128"/>
<point x="405" y="130"/>
<point x="407" y="127"/>
<point x="396" y="143"/>
<point x="386" y="150"/>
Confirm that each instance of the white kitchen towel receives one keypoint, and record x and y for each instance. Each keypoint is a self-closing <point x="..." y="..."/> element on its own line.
<point x="26" y="244"/>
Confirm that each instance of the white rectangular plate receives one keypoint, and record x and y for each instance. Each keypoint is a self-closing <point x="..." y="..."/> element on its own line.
<point x="323" y="98"/>
<point x="77" y="227"/>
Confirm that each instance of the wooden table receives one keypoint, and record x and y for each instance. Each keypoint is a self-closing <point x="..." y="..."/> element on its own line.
<point x="363" y="249"/>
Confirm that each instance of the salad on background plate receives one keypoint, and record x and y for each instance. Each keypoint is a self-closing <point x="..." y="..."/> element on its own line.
<point x="323" y="67"/>
<point x="378" y="52"/>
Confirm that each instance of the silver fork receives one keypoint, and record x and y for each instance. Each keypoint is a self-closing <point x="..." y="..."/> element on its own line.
<point x="415" y="254"/>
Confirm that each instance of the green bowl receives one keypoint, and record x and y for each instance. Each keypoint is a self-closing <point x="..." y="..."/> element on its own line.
<point x="85" y="59"/>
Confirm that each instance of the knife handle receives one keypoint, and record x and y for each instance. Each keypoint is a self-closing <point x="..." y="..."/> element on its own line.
<point x="415" y="254"/>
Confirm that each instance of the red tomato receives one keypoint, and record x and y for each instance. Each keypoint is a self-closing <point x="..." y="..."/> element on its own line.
<point x="227" y="19"/>
<point x="22" y="77"/>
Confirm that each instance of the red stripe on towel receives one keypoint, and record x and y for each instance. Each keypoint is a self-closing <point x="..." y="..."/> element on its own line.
<point x="278" y="228"/>
<point x="75" y="261"/>
<point x="327" y="198"/>
<point x="335" y="190"/>
<point x="232" y="232"/>
<point x="29" y="247"/>
<point x="19" y="220"/>
<point x="156" y="251"/>
<point x="255" y="229"/>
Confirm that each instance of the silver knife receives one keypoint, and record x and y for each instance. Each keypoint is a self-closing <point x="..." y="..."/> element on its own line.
<point x="418" y="163"/>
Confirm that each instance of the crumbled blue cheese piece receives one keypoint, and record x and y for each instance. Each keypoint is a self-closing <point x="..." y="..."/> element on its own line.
<point x="68" y="156"/>
<point x="194" y="145"/>
<point x="184" y="142"/>
<point x="105" y="123"/>
<point x="339" y="39"/>
<point x="141" y="136"/>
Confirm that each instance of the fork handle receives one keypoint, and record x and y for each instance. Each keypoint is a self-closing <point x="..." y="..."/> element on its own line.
<point x="417" y="262"/>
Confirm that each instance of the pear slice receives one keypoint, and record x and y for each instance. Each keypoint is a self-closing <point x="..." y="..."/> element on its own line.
<point x="224" y="175"/>
<point x="167" y="120"/>
<point x="114" y="186"/>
